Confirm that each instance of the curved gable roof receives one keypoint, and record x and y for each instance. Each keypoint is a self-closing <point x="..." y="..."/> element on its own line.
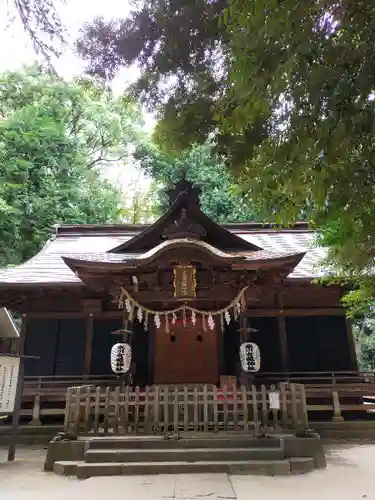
<point x="216" y="235"/>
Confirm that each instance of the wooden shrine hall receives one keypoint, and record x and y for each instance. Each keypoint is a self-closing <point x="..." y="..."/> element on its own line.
<point x="190" y="291"/>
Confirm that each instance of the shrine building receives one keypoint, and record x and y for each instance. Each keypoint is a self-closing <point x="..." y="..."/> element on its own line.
<point x="189" y="289"/>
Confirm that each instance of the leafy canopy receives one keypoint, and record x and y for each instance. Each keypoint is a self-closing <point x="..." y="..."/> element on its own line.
<point x="54" y="139"/>
<point x="286" y="89"/>
<point x="178" y="45"/>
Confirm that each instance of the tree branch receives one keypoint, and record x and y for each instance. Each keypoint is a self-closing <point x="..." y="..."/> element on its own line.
<point x="101" y="159"/>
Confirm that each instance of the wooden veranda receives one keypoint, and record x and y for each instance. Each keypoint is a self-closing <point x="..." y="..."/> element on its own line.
<point x="44" y="397"/>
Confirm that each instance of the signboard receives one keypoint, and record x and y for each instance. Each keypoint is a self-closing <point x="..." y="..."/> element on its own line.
<point x="184" y="282"/>
<point x="274" y="398"/>
<point x="9" y="370"/>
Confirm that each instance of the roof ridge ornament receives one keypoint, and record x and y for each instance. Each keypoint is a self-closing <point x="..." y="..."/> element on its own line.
<point x="184" y="228"/>
<point x="184" y="186"/>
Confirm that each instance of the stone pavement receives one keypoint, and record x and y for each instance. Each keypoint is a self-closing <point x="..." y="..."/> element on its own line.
<point x="349" y="476"/>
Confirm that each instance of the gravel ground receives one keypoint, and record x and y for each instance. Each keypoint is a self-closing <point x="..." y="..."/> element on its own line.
<point x="349" y="476"/>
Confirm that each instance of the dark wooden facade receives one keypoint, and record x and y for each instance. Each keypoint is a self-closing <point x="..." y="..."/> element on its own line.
<point x="69" y="295"/>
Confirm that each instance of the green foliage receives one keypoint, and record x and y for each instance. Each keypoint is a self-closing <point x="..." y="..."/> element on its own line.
<point x="285" y="89"/>
<point x="364" y="334"/>
<point x="54" y="139"/>
<point x="307" y="72"/>
<point x="179" y="47"/>
<point x="359" y="304"/>
<point x="221" y="198"/>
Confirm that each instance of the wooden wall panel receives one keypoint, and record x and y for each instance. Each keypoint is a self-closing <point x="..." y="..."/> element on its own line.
<point x="141" y="360"/>
<point x="263" y="300"/>
<point x="70" y="348"/>
<point x="295" y="296"/>
<point x="301" y="344"/>
<point x="103" y="340"/>
<point x="267" y="338"/>
<point x="318" y="344"/>
<point x="40" y="341"/>
<point x="332" y="343"/>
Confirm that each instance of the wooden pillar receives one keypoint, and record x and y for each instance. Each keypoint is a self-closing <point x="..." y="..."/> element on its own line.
<point x="220" y="351"/>
<point x="151" y="352"/>
<point x="89" y="340"/>
<point x="245" y="336"/>
<point x="22" y="337"/>
<point x="19" y="392"/>
<point x="351" y="345"/>
<point x="283" y="341"/>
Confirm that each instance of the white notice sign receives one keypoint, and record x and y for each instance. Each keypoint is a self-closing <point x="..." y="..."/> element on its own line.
<point x="9" y="369"/>
<point x="274" y="398"/>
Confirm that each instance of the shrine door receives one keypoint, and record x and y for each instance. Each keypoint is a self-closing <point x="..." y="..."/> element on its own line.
<point x="186" y="355"/>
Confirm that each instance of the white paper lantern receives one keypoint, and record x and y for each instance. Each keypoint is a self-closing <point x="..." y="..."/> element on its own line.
<point x="121" y="358"/>
<point x="250" y="357"/>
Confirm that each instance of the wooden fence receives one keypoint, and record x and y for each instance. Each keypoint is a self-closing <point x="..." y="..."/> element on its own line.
<point x="160" y="409"/>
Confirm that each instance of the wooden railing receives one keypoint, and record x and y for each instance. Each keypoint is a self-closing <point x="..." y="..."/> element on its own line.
<point x="198" y="408"/>
<point x="340" y="399"/>
<point x="64" y="381"/>
<point x="338" y="377"/>
<point x="44" y="397"/>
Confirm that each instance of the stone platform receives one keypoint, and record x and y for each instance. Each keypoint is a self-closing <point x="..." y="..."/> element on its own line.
<point x="220" y="453"/>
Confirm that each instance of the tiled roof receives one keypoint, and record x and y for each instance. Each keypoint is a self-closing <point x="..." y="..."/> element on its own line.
<point x="293" y="242"/>
<point x="47" y="267"/>
<point x="132" y="259"/>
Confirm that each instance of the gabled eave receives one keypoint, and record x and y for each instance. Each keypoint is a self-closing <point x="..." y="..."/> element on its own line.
<point x="233" y="260"/>
<point x="290" y="261"/>
<point x="151" y="236"/>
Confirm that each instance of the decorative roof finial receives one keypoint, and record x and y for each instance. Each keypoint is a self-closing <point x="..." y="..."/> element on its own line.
<point x="184" y="186"/>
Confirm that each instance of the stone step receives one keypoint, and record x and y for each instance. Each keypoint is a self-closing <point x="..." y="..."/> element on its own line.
<point x="183" y="455"/>
<point x="344" y="425"/>
<point x="338" y="434"/>
<point x="256" y="467"/>
<point x="159" y="442"/>
<point x="301" y="465"/>
<point x="29" y="434"/>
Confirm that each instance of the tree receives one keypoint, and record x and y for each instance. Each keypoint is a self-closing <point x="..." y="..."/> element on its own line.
<point x="287" y="91"/>
<point x="179" y="46"/>
<point x="221" y="198"/>
<point x="42" y="23"/>
<point x="139" y="197"/>
<point x="312" y="87"/>
<point x="55" y="137"/>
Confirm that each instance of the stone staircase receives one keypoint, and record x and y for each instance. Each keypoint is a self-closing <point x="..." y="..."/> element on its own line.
<point x="108" y="456"/>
